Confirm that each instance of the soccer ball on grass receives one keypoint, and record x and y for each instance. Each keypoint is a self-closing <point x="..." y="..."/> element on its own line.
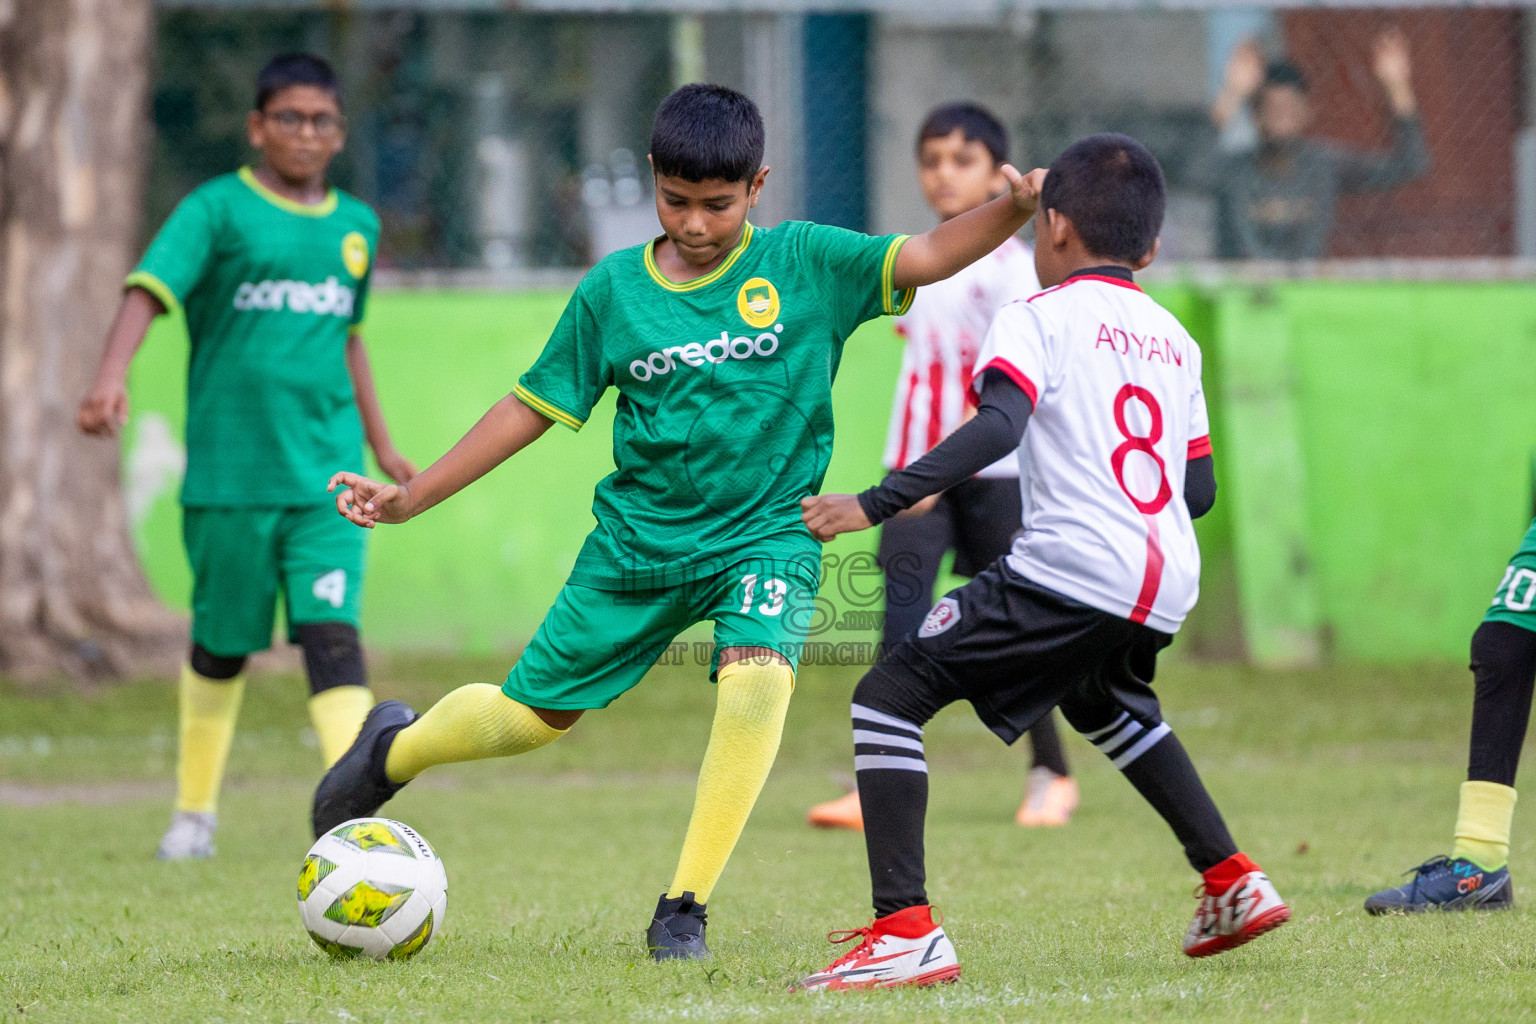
<point x="372" y="887"/>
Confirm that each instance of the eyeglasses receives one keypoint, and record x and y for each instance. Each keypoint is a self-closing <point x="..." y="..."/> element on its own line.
<point x="292" y="122"/>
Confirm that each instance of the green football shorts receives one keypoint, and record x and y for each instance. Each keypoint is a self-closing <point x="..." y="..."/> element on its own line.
<point x="242" y="558"/>
<point x="1515" y="600"/>
<point x="596" y="644"/>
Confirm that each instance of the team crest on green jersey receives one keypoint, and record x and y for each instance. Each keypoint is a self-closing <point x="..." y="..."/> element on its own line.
<point x="758" y="302"/>
<point x="354" y="253"/>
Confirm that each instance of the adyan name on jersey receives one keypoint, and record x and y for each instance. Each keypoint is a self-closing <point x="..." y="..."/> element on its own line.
<point x="328" y="298"/>
<point x="1150" y="348"/>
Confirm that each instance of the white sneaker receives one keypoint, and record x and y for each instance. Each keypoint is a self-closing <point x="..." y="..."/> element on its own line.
<point x="904" y="948"/>
<point x="190" y="836"/>
<point x="1247" y="909"/>
<point x="1049" y="799"/>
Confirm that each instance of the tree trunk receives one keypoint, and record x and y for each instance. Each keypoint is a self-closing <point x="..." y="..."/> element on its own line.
<point x="73" y="598"/>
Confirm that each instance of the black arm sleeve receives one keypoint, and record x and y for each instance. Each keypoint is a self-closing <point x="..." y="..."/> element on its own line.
<point x="1200" y="485"/>
<point x="994" y="432"/>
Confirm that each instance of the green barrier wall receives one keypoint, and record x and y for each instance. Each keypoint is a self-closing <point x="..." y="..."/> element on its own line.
<point x="1413" y="407"/>
<point x="477" y="573"/>
<point x="1373" y="447"/>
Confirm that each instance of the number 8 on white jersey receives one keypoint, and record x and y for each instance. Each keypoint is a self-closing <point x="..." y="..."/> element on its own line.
<point x="1119" y="411"/>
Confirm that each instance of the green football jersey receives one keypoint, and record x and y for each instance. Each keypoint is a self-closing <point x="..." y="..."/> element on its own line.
<point x="271" y="289"/>
<point x="724" y="418"/>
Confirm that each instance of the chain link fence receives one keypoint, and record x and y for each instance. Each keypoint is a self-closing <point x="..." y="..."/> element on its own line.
<point x="509" y="141"/>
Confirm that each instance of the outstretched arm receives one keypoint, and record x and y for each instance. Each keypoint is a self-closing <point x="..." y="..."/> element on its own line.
<point x="992" y="433"/>
<point x="508" y="428"/>
<point x="104" y="409"/>
<point x="395" y="466"/>
<point x="961" y="241"/>
<point x="1408" y="158"/>
<point x="1241" y="78"/>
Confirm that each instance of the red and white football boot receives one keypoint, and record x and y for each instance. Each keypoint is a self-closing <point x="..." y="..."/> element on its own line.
<point x="1237" y="904"/>
<point x="904" y="948"/>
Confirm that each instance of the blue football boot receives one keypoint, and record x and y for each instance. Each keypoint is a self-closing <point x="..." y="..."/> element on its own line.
<point x="1441" y="883"/>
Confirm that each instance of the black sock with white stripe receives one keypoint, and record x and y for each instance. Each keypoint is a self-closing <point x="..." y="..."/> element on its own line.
<point x="1155" y="762"/>
<point x="893" y="791"/>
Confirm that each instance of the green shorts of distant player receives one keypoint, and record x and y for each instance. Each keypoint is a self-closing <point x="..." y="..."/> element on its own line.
<point x="1515" y="600"/>
<point x="244" y="558"/>
<point x="596" y="644"/>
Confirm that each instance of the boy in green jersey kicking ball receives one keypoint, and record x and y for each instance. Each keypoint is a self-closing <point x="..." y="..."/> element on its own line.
<point x="722" y="340"/>
<point x="271" y="267"/>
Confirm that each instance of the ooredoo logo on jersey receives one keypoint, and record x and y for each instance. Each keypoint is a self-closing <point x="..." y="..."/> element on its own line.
<point x="715" y="350"/>
<point x="328" y="298"/>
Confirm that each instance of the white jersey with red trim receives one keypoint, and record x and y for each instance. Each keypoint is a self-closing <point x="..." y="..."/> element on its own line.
<point x="1119" y="411"/>
<point x="943" y="333"/>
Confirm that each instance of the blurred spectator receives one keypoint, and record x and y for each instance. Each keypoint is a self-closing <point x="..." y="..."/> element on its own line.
<point x="1275" y="188"/>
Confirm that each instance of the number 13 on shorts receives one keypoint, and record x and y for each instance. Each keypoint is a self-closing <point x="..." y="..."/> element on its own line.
<point x="772" y="593"/>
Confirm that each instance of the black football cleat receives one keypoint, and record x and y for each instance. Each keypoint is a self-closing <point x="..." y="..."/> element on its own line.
<point x="677" y="930"/>
<point x="356" y="785"/>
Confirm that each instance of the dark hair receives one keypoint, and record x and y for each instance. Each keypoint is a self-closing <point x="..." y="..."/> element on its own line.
<point x="1112" y="189"/>
<point x="975" y="123"/>
<point x="707" y="131"/>
<point x="289" y="69"/>
<point x="1282" y="73"/>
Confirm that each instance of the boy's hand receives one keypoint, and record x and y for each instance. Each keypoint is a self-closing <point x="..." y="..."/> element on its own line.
<point x="1244" y="73"/>
<point x="827" y="515"/>
<point x="395" y="466"/>
<point x="1025" y="188"/>
<point x="103" y="410"/>
<point x="367" y="502"/>
<point x="1391" y="64"/>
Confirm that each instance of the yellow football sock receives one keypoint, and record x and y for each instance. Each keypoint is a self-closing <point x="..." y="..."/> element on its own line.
<point x="1482" y="826"/>
<point x="209" y="708"/>
<point x="337" y="714"/>
<point x="749" y="719"/>
<point x="472" y="722"/>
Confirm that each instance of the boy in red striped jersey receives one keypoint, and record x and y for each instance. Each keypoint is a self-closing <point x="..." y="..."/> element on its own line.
<point x="961" y="148"/>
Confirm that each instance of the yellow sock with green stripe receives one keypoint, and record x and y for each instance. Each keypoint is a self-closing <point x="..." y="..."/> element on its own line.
<point x="337" y="714"/>
<point x="1482" y="826"/>
<point x="473" y="722"/>
<point x="209" y="708"/>
<point x="743" y="741"/>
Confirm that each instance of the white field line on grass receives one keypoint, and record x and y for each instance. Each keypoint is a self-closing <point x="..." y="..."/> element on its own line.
<point x="42" y="746"/>
<point x="97" y="794"/>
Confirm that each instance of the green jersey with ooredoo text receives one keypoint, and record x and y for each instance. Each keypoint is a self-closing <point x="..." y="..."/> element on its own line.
<point x="724" y="415"/>
<point x="272" y="289"/>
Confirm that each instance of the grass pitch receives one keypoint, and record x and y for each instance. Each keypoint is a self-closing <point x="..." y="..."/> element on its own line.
<point x="1334" y="780"/>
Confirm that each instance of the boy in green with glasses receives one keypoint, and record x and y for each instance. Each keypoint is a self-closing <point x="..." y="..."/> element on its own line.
<point x="271" y="266"/>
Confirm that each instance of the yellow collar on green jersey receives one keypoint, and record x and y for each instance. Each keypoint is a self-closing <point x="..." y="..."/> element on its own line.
<point x="324" y="208"/>
<point x="698" y="282"/>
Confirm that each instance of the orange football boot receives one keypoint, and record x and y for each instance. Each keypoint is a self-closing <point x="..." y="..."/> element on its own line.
<point x="844" y="812"/>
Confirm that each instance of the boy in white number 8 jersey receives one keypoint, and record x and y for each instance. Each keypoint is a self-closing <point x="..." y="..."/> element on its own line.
<point x="1116" y="463"/>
